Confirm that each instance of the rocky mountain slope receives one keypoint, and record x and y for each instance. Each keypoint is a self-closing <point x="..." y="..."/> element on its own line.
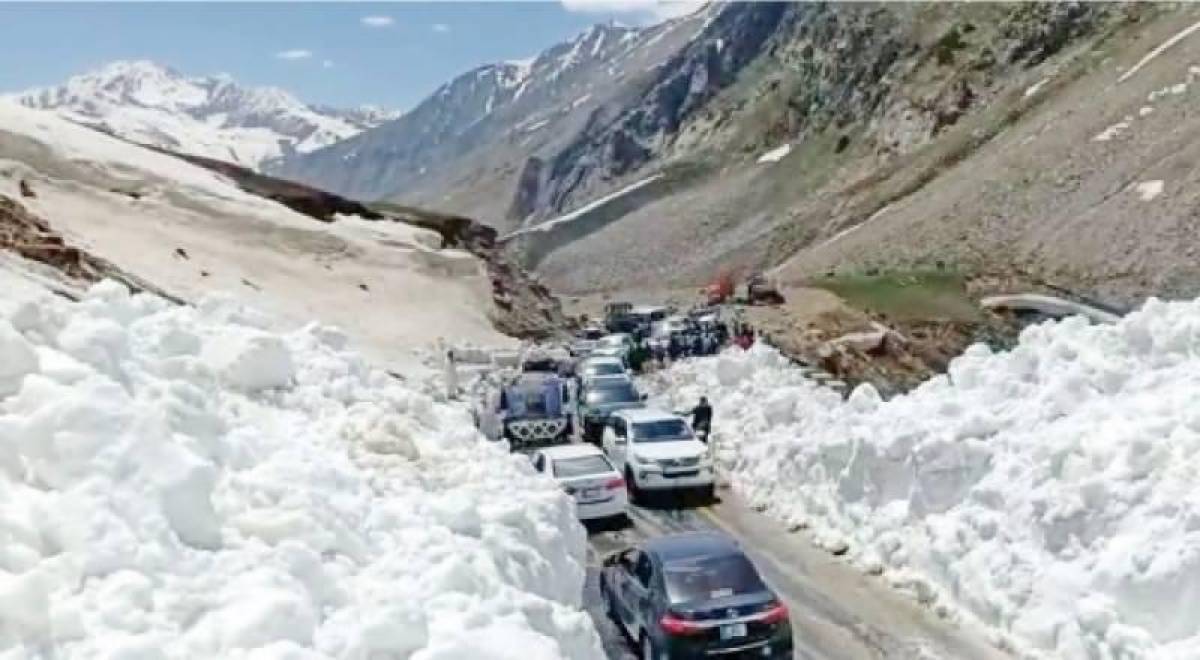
<point x="856" y="138"/>
<point x="468" y="147"/>
<point x="208" y="116"/>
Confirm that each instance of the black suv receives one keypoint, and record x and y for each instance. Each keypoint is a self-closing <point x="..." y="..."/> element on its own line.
<point x="694" y="596"/>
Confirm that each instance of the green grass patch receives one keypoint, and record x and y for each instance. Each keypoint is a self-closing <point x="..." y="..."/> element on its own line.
<point x="908" y="295"/>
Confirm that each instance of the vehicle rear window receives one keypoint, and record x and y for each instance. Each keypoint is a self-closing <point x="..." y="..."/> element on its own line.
<point x="605" y="369"/>
<point x="709" y="578"/>
<point x="581" y="466"/>
<point x="623" y="393"/>
<point x="661" y="430"/>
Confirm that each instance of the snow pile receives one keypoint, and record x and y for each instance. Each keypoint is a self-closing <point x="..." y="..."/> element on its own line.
<point x="775" y="155"/>
<point x="194" y="232"/>
<point x="178" y="482"/>
<point x="1054" y="491"/>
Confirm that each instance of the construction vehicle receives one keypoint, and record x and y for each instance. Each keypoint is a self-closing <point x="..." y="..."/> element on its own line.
<point x="760" y="291"/>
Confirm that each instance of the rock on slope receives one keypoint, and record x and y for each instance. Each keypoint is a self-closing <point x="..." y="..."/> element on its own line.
<point x="207" y="116"/>
<point x="191" y="231"/>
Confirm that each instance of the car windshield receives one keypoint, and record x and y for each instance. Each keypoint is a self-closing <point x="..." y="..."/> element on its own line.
<point x="581" y="466"/>
<point x="661" y="430"/>
<point x="618" y="393"/>
<point x="604" y="369"/>
<point x="710" y="578"/>
<point x="612" y="341"/>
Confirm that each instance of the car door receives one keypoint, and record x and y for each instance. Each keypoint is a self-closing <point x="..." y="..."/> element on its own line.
<point x="638" y="595"/>
<point x="615" y="441"/>
<point x="621" y="577"/>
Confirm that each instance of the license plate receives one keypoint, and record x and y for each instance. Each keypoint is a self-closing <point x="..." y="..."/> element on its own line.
<point x="589" y="494"/>
<point x="684" y="473"/>
<point x="733" y="631"/>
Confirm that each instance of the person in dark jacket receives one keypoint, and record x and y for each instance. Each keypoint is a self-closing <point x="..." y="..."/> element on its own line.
<point x="702" y="417"/>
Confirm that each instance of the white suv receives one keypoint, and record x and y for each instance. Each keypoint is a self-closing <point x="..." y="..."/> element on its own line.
<point x="657" y="450"/>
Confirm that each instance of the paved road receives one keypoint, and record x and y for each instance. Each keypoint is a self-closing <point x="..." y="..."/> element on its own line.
<point x="837" y="612"/>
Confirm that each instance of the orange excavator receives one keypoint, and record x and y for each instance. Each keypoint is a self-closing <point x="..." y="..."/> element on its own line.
<point x="721" y="289"/>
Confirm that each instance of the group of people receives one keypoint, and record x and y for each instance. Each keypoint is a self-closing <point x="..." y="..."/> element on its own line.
<point x="695" y="341"/>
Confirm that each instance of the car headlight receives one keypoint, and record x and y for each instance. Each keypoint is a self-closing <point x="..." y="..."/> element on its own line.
<point x="646" y="464"/>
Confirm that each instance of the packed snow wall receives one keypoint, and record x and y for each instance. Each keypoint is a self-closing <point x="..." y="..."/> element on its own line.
<point x="180" y="482"/>
<point x="1053" y="491"/>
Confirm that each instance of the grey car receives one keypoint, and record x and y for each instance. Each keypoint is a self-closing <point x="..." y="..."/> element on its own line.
<point x="602" y="398"/>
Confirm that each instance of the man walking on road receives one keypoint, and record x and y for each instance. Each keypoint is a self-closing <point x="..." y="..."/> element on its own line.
<point x="702" y="417"/>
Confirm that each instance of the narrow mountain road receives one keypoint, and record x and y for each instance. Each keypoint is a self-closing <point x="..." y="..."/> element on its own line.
<point x="837" y="612"/>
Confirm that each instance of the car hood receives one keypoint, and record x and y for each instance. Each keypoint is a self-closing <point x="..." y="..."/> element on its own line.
<point x="669" y="449"/>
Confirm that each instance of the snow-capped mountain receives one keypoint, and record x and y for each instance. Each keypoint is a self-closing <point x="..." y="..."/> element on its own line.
<point x="483" y="126"/>
<point x="207" y="116"/>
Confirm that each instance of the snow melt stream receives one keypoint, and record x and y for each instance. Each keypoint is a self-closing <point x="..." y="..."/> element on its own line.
<point x="1053" y="491"/>
<point x="179" y="482"/>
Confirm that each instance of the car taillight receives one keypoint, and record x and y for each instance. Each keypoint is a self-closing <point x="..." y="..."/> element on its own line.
<point x="776" y="613"/>
<point x="614" y="483"/>
<point x="673" y="625"/>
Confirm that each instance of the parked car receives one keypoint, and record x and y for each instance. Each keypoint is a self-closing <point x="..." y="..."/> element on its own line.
<point x="585" y="341"/>
<point x="694" y="595"/>
<point x="582" y="348"/>
<point x="600" y="399"/>
<point x="617" y="346"/>
<point x="657" y="451"/>
<point x="647" y="315"/>
<point x="600" y="366"/>
<point x="617" y="317"/>
<point x="586" y="474"/>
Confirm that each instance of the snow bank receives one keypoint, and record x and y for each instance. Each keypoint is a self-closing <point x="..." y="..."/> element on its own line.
<point x="775" y="155"/>
<point x="194" y="233"/>
<point x="1053" y="491"/>
<point x="178" y="482"/>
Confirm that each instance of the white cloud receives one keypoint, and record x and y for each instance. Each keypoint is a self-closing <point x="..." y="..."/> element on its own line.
<point x="378" y="21"/>
<point x="294" y="54"/>
<point x="327" y="64"/>
<point x="441" y="27"/>
<point x="657" y="9"/>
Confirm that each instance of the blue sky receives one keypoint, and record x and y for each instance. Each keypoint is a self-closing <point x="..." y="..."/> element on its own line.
<point x="342" y="53"/>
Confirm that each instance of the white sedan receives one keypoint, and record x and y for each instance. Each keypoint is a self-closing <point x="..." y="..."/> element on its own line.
<point x="586" y="474"/>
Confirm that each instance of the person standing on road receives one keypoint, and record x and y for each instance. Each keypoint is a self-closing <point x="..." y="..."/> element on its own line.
<point x="451" y="374"/>
<point x="637" y="356"/>
<point x="702" y="417"/>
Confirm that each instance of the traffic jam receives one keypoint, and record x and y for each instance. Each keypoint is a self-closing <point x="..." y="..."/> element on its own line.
<point x="579" y="414"/>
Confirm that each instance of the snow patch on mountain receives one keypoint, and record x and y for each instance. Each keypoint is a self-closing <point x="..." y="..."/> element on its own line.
<point x="206" y="116"/>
